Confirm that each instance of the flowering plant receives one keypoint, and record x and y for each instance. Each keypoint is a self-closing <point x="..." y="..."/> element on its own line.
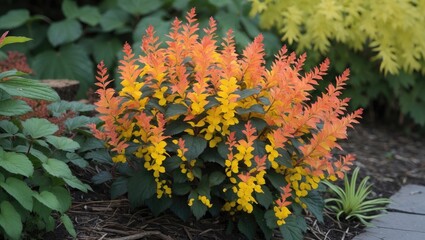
<point x="197" y="128"/>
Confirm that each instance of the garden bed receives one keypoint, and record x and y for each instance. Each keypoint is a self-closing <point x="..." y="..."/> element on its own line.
<point x="391" y="159"/>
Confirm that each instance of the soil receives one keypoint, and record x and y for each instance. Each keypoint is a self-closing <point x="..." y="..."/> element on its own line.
<point x="391" y="159"/>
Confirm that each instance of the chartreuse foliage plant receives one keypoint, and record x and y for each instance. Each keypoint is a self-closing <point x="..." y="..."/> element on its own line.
<point x="34" y="178"/>
<point x="199" y="129"/>
<point x="351" y="201"/>
<point x="381" y="42"/>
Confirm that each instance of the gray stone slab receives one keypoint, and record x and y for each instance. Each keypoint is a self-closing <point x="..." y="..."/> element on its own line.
<point x="395" y="226"/>
<point x="389" y="234"/>
<point x="408" y="224"/>
<point x="410" y="198"/>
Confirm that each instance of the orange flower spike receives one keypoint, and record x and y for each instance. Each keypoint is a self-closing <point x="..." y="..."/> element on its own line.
<point x="252" y="63"/>
<point x="229" y="59"/>
<point x="260" y="162"/>
<point x="129" y="74"/>
<point x="286" y="193"/>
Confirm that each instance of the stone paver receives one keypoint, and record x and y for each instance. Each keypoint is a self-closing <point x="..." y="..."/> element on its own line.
<point x="405" y="219"/>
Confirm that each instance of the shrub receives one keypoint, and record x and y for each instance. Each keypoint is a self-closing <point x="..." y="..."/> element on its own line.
<point x="197" y="129"/>
<point x="33" y="176"/>
<point x="382" y="45"/>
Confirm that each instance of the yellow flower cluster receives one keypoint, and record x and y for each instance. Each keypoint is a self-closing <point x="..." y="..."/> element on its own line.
<point x="185" y="163"/>
<point x="245" y="190"/>
<point x="154" y="157"/>
<point x="302" y="182"/>
<point x="162" y="188"/>
<point x="220" y="118"/>
<point x="203" y="199"/>
<point x="281" y="213"/>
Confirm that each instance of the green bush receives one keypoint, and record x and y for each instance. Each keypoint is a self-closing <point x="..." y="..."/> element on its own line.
<point x="69" y="37"/>
<point x="199" y="129"/>
<point x="33" y="177"/>
<point x="381" y="43"/>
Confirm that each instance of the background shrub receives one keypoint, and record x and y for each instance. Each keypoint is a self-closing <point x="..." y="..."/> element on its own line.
<point x="381" y="43"/>
<point x="71" y="37"/>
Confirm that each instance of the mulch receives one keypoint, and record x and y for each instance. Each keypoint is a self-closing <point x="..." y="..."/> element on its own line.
<point x="391" y="159"/>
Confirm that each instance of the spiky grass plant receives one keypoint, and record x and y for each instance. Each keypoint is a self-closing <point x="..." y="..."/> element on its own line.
<point x="351" y="201"/>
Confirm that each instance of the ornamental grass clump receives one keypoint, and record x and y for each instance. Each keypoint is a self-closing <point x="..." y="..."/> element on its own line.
<point x="198" y="128"/>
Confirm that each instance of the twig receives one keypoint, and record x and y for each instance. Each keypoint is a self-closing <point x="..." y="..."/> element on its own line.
<point x="187" y="233"/>
<point x="144" y="234"/>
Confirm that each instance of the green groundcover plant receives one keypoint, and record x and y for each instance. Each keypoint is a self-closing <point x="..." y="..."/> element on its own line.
<point x="199" y="129"/>
<point x="34" y="177"/>
<point x="351" y="201"/>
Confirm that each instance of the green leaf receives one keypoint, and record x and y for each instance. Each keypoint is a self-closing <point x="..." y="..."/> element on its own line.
<point x="212" y="155"/>
<point x="89" y="15"/>
<point x="14" y="107"/>
<point x="172" y="163"/>
<point x="16" y="163"/>
<point x="250" y="27"/>
<point x="175" y="127"/>
<point x="113" y="19"/>
<point x="247" y="226"/>
<point x="256" y="108"/>
<point x="68" y="225"/>
<point x="180" y="208"/>
<point x="174" y="110"/>
<point x="284" y="158"/>
<point x="77" y="160"/>
<point x="198" y="208"/>
<point x="8" y="126"/>
<point x="271" y="219"/>
<point x="181" y="188"/>
<point x="63" y="143"/>
<point x="29" y="88"/>
<point x="161" y="27"/>
<point x="11" y="73"/>
<point x="14" y="18"/>
<point x="196" y="145"/>
<point x="64" y="31"/>
<point x="216" y="178"/>
<point x="100" y="155"/>
<point x="63" y="196"/>
<point x="70" y="9"/>
<point x="101" y="177"/>
<point x="60" y="169"/>
<point x="265" y="198"/>
<point x="108" y="57"/>
<point x="119" y="187"/>
<point x="315" y="204"/>
<point x="70" y="62"/>
<point x="219" y="3"/>
<point x="78" y="122"/>
<point x="141" y="186"/>
<point x="180" y="4"/>
<point x="48" y="199"/>
<point x="261" y="221"/>
<point x="38" y="127"/>
<point x="293" y="228"/>
<point x="10" y="220"/>
<point x="140" y="6"/>
<point x="14" y="39"/>
<point x="74" y="182"/>
<point x="57" y="168"/>
<point x="19" y="190"/>
<point x="277" y="180"/>
<point x="157" y="206"/>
